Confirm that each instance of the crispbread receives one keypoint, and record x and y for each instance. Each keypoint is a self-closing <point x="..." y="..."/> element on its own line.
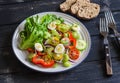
<point x="65" y="6"/>
<point x="75" y="7"/>
<point x="84" y="9"/>
<point x="88" y="11"/>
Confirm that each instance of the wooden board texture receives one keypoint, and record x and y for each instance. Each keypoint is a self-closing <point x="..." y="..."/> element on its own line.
<point x="91" y="70"/>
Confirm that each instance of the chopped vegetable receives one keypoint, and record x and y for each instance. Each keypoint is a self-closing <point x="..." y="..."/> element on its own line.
<point x="38" y="47"/>
<point x="74" y="53"/>
<point x="65" y="58"/>
<point x="63" y="28"/>
<point x="58" y="57"/>
<point x="65" y="41"/>
<point x="55" y="65"/>
<point x="47" y="35"/>
<point x="49" y="50"/>
<point x="49" y="40"/>
<point x="66" y="64"/>
<point x="40" y="53"/>
<point x="52" y="25"/>
<point x="30" y="56"/>
<point x="81" y="45"/>
<point x="59" y="48"/>
<point x="73" y="40"/>
<point x="76" y="35"/>
<point x="75" y="27"/>
<point x="66" y="35"/>
<point x="57" y="22"/>
<point x="55" y="41"/>
<point x="55" y="33"/>
<point x="30" y="50"/>
<point x="42" y="62"/>
<point x="34" y="30"/>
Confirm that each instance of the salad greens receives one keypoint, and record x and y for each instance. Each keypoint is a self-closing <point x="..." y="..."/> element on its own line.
<point x="36" y="30"/>
<point x="49" y="40"/>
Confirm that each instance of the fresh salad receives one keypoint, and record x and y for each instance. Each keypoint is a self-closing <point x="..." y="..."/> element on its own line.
<point x="50" y="41"/>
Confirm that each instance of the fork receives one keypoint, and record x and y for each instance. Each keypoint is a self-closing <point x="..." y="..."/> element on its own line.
<point x="111" y="23"/>
<point x="104" y="32"/>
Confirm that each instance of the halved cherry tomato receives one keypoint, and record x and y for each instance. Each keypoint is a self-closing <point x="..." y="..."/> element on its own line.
<point x="74" y="53"/>
<point x="42" y="62"/>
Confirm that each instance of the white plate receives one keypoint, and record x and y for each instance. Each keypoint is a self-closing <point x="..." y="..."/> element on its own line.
<point x="21" y="55"/>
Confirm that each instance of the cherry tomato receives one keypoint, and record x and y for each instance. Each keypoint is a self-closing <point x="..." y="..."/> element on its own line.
<point x="74" y="53"/>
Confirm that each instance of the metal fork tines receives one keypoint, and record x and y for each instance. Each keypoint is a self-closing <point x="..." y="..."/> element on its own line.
<point x="104" y="32"/>
<point x="111" y="23"/>
<point x="104" y="29"/>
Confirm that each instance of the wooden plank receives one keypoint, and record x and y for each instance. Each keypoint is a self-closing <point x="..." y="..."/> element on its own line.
<point x="6" y="2"/>
<point x="17" y="12"/>
<point x="92" y="69"/>
<point x="8" y="30"/>
<point x="9" y="62"/>
<point x="94" y="72"/>
<point x="6" y="33"/>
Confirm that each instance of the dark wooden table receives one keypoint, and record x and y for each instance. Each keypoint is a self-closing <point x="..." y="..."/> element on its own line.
<point x="91" y="70"/>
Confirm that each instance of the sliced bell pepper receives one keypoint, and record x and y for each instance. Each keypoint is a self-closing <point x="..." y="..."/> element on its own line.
<point x="39" y="61"/>
<point x="70" y="35"/>
<point x="72" y="39"/>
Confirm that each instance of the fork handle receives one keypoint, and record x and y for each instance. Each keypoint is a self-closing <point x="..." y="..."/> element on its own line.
<point x="108" y="60"/>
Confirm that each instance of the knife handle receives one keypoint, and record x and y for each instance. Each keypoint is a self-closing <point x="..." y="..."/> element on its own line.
<point x="108" y="60"/>
<point x="118" y="39"/>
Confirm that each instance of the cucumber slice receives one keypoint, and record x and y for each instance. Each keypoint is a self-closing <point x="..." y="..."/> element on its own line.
<point x="81" y="45"/>
<point x="76" y="35"/>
